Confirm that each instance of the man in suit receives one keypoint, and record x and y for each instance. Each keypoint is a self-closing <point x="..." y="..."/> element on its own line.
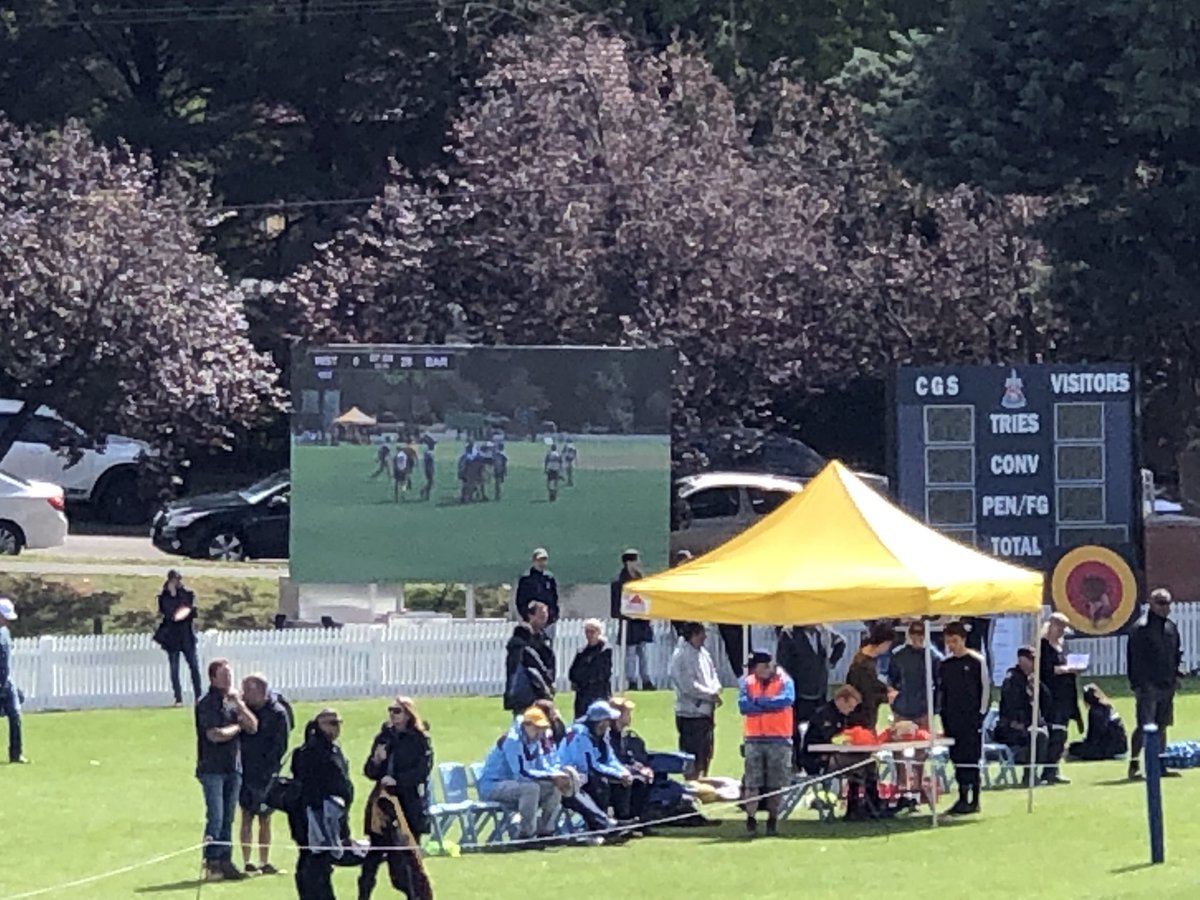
<point x="808" y="653"/>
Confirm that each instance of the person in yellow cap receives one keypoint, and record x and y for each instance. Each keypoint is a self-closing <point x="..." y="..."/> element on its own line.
<point x="519" y="772"/>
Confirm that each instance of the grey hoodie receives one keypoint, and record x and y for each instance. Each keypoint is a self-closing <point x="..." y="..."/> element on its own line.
<point x="696" y="683"/>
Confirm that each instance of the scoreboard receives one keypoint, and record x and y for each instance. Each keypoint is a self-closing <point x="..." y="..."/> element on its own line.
<point x="328" y="360"/>
<point x="1027" y="463"/>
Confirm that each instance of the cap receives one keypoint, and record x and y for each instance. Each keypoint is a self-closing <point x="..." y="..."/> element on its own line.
<point x="7" y="610"/>
<point x="534" y="716"/>
<point x="540" y="553"/>
<point x="630" y="555"/>
<point x="600" y="711"/>
<point x="758" y="657"/>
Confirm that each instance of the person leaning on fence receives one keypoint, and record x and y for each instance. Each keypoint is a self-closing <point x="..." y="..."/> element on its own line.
<point x="10" y="696"/>
<point x="591" y="670"/>
<point x="320" y="821"/>
<point x="529" y="662"/>
<point x="697" y="696"/>
<point x="765" y="699"/>
<point x="221" y="718"/>
<point x="639" y="634"/>
<point x="518" y="772"/>
<point x="1153" y="660"/>
<point x="397" y="813"/>
<point x="262" y="758"/>
<point x="175" y="634"/>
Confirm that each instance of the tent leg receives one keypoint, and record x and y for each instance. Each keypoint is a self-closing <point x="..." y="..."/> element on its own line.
<point x="622" y="685"/>
<point x="929" y="714"/>
<point x="745" y="649"/>
<point x="1031" y="772"/>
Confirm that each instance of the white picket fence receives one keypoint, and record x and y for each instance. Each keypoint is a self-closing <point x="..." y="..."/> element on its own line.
<point x="424" y="658"/>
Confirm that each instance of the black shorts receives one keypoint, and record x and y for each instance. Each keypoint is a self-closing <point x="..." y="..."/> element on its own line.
<point x="1155" y="706"/>
<point x="253" y="799"/>
<point x="696" y="738"/>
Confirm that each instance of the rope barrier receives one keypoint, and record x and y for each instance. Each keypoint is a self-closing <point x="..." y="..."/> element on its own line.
<point x="92" y="879"/>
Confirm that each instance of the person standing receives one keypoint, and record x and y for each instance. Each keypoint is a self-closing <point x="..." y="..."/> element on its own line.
<point x="808" y="654"/>
<point x="429" y="464"/>
<point x="765" y="699"/>
<point x="863" y="675"/>
<point x="906" y="676"/>
<point x="965" y="695"/>
<point x="221" y="717"/>
<point x="639" y="634"/>
<point x="499" y="468"/>
<point x="570" y="455"/>
<point x="697" y="696"/>
<point x="401" y="473"/>
<point x="399" y="763"/>
<point x="175" y="634"/>
<point x="538" y="584"/>
<point x="552" y="466"/>
<point x="320" y="825"/>
<point x="1153" y="659"/>
<point x="529" y="664"/>
<point x="262" y="758"/>
<point x="1059" y="677"/>
<point x="591" y="670"/>
<point x="381" y="461"/>
<point x="10" y="697"/>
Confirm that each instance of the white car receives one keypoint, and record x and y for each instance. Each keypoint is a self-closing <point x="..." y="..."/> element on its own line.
<point x="106" y="474"/>
<point x="32" y="515"/>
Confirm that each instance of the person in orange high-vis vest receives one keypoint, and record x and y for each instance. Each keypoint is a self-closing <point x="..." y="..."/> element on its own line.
<point x="765" y="699"/>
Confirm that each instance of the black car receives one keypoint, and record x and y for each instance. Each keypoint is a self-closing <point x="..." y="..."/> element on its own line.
<point x="248" y="524"/>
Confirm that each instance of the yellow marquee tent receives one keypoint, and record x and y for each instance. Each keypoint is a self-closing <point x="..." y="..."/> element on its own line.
<point x="354" y="416"/>
<point x="835" y="552"/>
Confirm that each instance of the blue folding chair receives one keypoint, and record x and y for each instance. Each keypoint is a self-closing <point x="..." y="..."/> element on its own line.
<point x="457" y="807"/>
<point x="494" y="818"/>
<point x="994" y="753"/>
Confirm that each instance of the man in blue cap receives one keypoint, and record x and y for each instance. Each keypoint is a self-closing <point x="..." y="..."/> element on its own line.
<point x="765" y="698"/>
<point x="587" y="751"/>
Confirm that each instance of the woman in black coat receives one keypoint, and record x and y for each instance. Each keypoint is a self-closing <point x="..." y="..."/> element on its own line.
<point x="177" y="606"/>
<point x="1060" y="678"/>
<point x="591" y="671"/>
<point x="400" y="763"/>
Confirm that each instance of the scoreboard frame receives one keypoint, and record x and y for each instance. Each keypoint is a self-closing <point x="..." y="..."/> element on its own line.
<point x="1021" y="417"/>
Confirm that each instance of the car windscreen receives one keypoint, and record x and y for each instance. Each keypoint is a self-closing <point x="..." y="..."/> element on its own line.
<point x="260" y="490"/>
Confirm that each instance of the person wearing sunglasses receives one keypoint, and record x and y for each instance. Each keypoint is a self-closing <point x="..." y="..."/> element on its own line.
<point x="400" y="762"/>
<point x="1154" y="656"/>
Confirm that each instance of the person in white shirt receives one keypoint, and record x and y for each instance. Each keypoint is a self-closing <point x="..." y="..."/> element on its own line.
<point x="697" y="696"/>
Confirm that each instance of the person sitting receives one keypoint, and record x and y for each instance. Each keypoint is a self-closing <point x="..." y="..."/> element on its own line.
<point x="518" y="772"/>
<point x="629" y="800"/>
<point x="586" y="751"/>
<point x="591" y="670"/>
<point x="827" y="723"/>
<point x="397" y="813"/>
<point x="1106" y="737"/>
<point x="1016" y="711"/>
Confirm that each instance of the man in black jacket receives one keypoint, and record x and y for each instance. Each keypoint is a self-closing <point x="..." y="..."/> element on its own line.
<point x="262" y="758"/>
<point x="321" y="819"/>
<point x="529" y="662"/>
<point x="965" y="692"/>
<point x="808" y="653"/>
<point x="1153" y="658"/>
<point x="1016" y="710"/>
<point x="538" y="585"/>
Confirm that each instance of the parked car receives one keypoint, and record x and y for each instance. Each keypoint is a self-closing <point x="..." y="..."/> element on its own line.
<point x="712" y="507"/>
<point x="248" y="524"/>
<point x="32" y="515"/>
<point x="105" y="475"/>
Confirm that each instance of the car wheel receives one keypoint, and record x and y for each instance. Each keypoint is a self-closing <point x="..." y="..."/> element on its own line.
<point x="225" y="546"/>
<point x="120" y="500"/>
<point x="12" y="539"/>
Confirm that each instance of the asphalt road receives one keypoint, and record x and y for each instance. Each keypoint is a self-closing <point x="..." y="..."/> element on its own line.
<point x="95" y="555"/>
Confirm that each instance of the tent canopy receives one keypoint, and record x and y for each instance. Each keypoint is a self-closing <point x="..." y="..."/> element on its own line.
<point x="354" y="416"/>
<point x="837" y="551"/>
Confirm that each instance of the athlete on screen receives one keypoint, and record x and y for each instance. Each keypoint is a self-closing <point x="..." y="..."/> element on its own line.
<point x="552" y="466"/>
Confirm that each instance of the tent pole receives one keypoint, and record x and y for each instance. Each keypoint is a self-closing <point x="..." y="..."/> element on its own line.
<point x="622" y="686"/>
<point x="1037" y="705"/>
<point x="929" y="718"/>
<point x="745" y="651"/>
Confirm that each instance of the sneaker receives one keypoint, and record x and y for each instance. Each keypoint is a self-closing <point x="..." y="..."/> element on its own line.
<point x="249" y="868"/>
<point x="772" y="828"/>
<point x="751" y="828"/>
<point x="268" y="869"/>
<point x="1054" y="778"/>
<point x="1135" y="770"/>
<point x="971" y="808"/>
<point x="648" y="685"/>
<point x="230" y="871"/>
<point x="959" y="808"/>
<point x="213" y="872"/>
<point x="19" y="761"/>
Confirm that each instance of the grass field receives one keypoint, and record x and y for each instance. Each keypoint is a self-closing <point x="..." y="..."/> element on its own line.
<point x="346" y="526"/>
<point x="108" y="789"/>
